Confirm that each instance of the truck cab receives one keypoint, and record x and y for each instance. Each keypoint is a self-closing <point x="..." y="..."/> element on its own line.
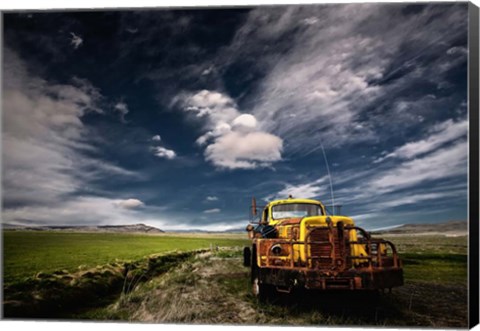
<point x="296" y="243"/>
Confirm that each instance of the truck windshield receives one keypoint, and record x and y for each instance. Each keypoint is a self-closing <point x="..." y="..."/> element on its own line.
<point x="291" y="210"/>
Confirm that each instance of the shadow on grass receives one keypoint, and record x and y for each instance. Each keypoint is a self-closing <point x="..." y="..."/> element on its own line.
<point x="335" y="307"/>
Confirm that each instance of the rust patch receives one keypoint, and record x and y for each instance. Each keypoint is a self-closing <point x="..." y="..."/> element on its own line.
<point x="290" y="221"/>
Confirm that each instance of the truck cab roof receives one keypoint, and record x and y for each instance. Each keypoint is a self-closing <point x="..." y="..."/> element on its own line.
<point x="292" y="200"/>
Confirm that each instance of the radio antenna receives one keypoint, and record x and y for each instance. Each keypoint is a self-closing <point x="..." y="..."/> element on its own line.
<point x="330" y="178"/>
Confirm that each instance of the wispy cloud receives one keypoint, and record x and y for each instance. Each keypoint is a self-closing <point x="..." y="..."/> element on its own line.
<point x="329" y="73"/>
<point x="212" y="211"/>
<point x="443" y="163"/>
<point x="308" y="190"/>
<point x="440" y="134"/>
<point x="44" y="145"/>
<point x="427" y="178"/>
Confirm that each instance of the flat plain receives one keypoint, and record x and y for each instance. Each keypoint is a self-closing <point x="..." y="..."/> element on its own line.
<point x="27" y="253"/>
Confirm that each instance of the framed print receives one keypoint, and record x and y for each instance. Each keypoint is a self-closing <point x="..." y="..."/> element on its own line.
<point x="285" y="165"/>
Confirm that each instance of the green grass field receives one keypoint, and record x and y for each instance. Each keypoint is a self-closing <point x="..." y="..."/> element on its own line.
<point x="429" y="258"/>
<point x="27" y="253"/>
<point x="433" y="259"/>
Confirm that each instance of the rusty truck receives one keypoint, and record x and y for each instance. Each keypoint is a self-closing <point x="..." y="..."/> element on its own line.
<point x="296" y="244"/>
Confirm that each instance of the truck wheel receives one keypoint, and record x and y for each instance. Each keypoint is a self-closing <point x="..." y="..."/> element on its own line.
<point x="260" y="291"/>
<point x="247" y="257"/>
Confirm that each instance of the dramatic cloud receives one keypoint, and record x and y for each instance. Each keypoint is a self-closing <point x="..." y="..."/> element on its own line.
<point x="233" y="140"/>
<point x="45" y="145"/>
<point x="329" y="69"/>
<point x="382" y="87"/>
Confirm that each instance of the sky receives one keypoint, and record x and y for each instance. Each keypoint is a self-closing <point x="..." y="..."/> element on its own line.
<point x="176" y="118"/>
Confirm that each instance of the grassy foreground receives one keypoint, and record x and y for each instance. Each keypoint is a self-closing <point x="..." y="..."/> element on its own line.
<point x="212" y="286"/>
<point x="27" y="253"/>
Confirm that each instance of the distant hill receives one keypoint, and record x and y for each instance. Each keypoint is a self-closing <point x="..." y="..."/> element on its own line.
<point x="447" y="228"/>
<point x="237" y="230"/>
<point x="128" y="228"/>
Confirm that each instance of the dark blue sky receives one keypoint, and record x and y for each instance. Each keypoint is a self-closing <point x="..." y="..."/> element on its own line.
<point x="176" y="118"/>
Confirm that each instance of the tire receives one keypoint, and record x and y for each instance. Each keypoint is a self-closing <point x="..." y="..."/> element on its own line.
<point x="260" y="290"/>
<point x="247" y="257"/>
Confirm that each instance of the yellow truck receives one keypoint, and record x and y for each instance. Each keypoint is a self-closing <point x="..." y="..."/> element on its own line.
<point x="295" y="244"/>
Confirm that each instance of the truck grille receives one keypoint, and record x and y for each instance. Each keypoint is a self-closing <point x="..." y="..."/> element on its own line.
<point x="325" y="249"/>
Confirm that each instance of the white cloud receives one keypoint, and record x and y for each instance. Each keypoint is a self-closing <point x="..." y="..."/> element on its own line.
<point x="212" y="211"/>
<point x="440" y="134"/>
<point x="211" y="107"/>
<point x="78" y="211"/>
<point x="244" y="122"/>
<point x="221" y="129"/>
<point x="326" y="65"/>
<point x="161" y="151"/>
<point x="122" y="108"/>
<point x="129" y="203"/>
<point x="212" y="198"/>
<point x="208" y="71"/>
<point x="76" y="41"/>
<point x="237" y="150"/>
<point x="164" y="152"/>
<point x="232" y="139"/>
<point x="303" y="191"/>
<point x="444" y="163"/>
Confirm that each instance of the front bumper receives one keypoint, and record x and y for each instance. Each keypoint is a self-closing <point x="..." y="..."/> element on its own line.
<point x="355" y="279"/>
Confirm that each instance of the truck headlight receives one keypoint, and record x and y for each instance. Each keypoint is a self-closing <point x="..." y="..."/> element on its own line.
<point x="276" y="249"/>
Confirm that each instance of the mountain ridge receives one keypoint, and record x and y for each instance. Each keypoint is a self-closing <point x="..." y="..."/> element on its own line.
<point x="124" y="228"/>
